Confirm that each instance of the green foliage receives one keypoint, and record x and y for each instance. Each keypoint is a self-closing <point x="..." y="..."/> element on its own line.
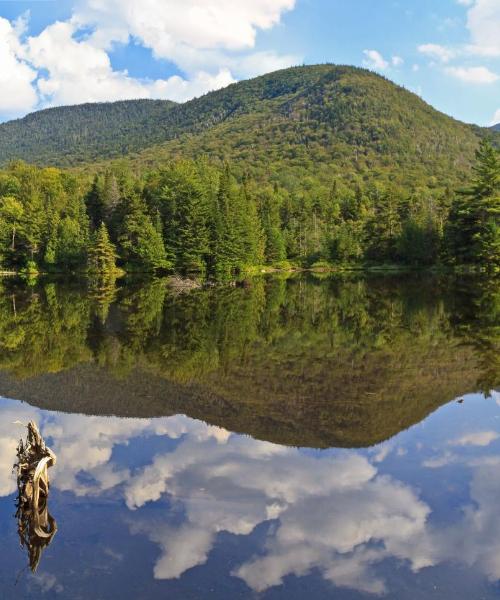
<point x="141" y="245"/>
<point x="296" y="125"/>
<point x="343" y="361"/>
<point x="101" y="254"/>
<point x="74" y="134"/>
<point x="473" y="232"/>
<point x="194" y="217"/>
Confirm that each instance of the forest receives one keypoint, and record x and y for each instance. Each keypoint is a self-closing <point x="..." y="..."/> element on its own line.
<point x="192" y="217"/>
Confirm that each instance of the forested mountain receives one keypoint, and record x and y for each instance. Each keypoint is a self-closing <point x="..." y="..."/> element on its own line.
<point x="496" y="127"/>
<point x="84" y="132"/>
<point x="317" y="166"/>
<point x="301" y="122"/>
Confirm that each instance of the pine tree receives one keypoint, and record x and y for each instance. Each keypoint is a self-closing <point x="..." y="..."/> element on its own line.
<point x="96" y="207"/>
<point x="101" y="253"/>
<point x="275" y="250"/>
<point x="225" y="242"/>
<point x="253" y="234"/>
<point x="473" y="232"/>
<point x="140" y="243"/>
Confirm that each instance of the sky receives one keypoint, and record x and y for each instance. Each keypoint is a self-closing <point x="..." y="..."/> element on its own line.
<point x="58" y="52"/>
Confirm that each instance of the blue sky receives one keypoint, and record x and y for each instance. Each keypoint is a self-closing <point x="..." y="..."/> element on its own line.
<point x="55" y="52"/>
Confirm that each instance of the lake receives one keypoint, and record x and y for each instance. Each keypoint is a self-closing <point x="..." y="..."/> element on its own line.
<point x="287" y="437"/>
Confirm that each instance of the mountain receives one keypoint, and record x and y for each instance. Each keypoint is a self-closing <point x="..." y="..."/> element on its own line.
<point x="292" y="124"/>
<point x="496" y="127"/>
<point x="83" y="132"/>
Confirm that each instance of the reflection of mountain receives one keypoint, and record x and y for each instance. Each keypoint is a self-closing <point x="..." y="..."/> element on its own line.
<point x="338" y="363"/>
<point x="335" y="409"/>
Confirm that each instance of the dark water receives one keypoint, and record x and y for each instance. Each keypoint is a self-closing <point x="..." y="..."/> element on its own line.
<point x="335" y="438"/>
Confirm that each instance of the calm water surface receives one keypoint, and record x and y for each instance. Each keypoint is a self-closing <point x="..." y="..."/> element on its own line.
<point x="335" y="438"/>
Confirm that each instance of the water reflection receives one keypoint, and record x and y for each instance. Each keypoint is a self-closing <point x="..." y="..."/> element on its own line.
<point x="389" y="520"/>
<point x="36" y="530"/>
<point x="340" y="362"/>
<point x="35" y="525"/>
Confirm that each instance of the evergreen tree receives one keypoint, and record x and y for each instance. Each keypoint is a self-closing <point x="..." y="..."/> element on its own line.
<point x="101" y="253"/>
<point x="140" y="243"/>
<point x="96" y="207"/>
<point x="226" y="244"/>
<point x="473" y="232"/>
<point x="275" y="250"/>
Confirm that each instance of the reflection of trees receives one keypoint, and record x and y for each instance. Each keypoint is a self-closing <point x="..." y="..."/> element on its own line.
<point x="476" y="318"/>
<point x="43" y="330"/>
<point x="271" y="325"/>
<point x="102" y="292"/>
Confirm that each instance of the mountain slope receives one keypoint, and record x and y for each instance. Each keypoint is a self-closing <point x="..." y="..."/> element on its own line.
<point x="299" y="122"/>
<point x="496" y="127"/>
<point x="83" y="132"/>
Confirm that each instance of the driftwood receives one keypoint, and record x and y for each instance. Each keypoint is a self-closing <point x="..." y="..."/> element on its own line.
<point x="35" y="526"/>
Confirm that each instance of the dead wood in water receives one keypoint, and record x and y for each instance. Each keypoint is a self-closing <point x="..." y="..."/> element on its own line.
<point x="35" y="526"/>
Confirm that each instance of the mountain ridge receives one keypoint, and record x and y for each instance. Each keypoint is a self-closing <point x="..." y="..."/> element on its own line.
<point x="310" y="121"/>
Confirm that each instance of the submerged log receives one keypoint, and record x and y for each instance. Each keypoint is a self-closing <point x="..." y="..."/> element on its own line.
<point x="36" y="527"/>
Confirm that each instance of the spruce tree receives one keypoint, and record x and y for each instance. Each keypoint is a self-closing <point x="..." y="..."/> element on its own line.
<point x="101" y="253"/>
<point x="96" y="207"/>
<point x="473" y="231"/>
<point x="141" y="245"/>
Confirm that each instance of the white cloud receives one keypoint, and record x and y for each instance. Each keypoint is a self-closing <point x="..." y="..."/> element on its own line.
<point x="374" y="60"/>
<point x="78" y="71"/>
<point x="480" y="75"/>
<point x="437" y="52"/>
<point x="483" y="22"/>
<point x="397" y="61"/>
<point x="197" y="36"/>
<point x="16" y="76"/>
<point x="478" y="438"/>
<point x="211" y="42"/>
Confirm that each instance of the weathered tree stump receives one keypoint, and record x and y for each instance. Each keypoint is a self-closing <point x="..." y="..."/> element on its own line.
<point x="36" y="527"/>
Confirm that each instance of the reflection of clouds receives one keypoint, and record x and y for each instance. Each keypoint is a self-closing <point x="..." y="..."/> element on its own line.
<point x="10" y="433"/>
<point x="475" y="540"/>
<point x="477" y="438"/>
<point x="333" y="533"/>
<point x="327" y="511"/>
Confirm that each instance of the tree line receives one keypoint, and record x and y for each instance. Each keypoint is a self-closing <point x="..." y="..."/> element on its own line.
<point x="193" y="217"/>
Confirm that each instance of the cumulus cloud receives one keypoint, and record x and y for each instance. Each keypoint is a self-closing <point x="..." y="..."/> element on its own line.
<point x="78" y="71"/>
<point x="481" y="75"/>
<point x="437" y="52"/>
<point x="16" y="75"/>
<point x="483" y="22"/>
<point x="374" y="60"/>
<point x="211" y="42"/>
<point x="169" y="26"/>
<point x="477" y="438"/>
